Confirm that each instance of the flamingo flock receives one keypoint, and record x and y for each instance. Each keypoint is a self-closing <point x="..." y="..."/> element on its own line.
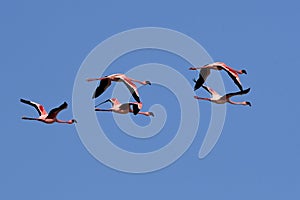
<point x="135" y="107"/>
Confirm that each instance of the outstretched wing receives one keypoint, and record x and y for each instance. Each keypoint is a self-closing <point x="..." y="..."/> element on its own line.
<point x="237" y="93"/>
<point x="103" y="85"/>
<point x="233" y="75"/>
<point x="131" y="87"/>
<point x="204" y="73"/>
<point x="210" y="90"/>
<point x="136" y="107"/>
<point x="41" y="110"/>
<point x="53" y="113"/>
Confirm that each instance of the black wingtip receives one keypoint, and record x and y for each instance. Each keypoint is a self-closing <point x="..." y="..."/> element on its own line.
<point x="247" y="90"/>
<point x="24" y="101"/>
<point x="197" y="87"/>
<point x="135" y="109"/>
<point x="94" y="96"/>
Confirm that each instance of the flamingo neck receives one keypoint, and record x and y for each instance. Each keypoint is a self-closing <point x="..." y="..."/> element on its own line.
<point x="239" y="71"/>
<point x="238" y="103"/>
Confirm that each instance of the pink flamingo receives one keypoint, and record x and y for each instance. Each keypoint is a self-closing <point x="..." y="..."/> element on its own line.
<point x="105" y="82"/>
<point x="217" y="98"/>
<point x="124" y="108"/>
<point x="44" y="116"/>
<point x="234" y="74"/>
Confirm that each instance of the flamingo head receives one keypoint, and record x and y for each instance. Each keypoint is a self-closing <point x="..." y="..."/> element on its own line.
<point x="244" y="71"/>
<point x="248" y="103"/>
<point x="147" y="83"/>
<point x="151" y="114"/>
<point x="72" y="121"/>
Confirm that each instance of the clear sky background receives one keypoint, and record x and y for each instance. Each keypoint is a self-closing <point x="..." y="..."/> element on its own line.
<point x="257" y="156"/>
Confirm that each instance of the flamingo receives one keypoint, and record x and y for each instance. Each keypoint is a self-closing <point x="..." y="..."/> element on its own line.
<point x="233" y="73"/>
<point x="44" y="116"/>
<point x="204" y="73"/>
<point x="216" y="98"/>
<point x="124" y="108"/>
<point x="105" y="82"/>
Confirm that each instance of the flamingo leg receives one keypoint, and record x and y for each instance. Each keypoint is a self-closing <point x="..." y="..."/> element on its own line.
<point x="99" y="109"/>
<point x="200" y="98"/>
<point x="31" y="118"/>
<point x="94" y="79"/>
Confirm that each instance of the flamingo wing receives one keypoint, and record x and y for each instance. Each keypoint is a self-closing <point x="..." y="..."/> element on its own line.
<point x="210" y="90"/>
<point x="233" y="75"/>
<point x="103" y="85"/>
<point x="136" y="107"/>
<point x="53" y="113"/>
<point x="204" y="73"/>
<point x="131" y="87"/>
<point x="237" y="93"/>
<point x="41" y="110"/>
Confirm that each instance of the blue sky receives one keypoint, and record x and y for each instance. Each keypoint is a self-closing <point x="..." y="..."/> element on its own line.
<point x="257" y="155"/>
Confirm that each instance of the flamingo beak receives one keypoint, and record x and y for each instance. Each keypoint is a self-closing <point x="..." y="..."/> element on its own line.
<point x="74" y="120"/>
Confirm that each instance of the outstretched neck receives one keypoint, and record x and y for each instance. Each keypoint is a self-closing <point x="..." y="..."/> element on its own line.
<point x="146" y="113"/>
<point x="64" y="122"/>
<point x="141" y="82"/>
<point x="238" y="103"/>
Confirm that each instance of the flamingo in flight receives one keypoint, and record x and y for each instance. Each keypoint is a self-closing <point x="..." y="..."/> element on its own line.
<point x="105" y="82"/>
<point x="124" y="108"/>
<point x="217" y="98"/>
<point x="44" y="116"/>
<point x="204" y="73"/>
<point x="233" y="73"/>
